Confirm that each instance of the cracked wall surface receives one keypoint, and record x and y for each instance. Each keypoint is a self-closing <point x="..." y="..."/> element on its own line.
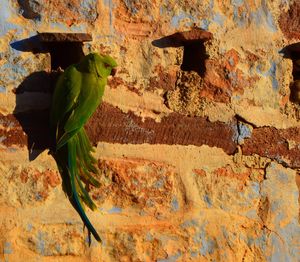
<point x="197" y="138"/>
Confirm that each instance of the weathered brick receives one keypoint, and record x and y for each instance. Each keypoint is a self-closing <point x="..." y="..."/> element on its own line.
<point x="233" y="188"/>
<point x="289" y="22"/>
<point x="149" y="187"/>
<point x="28" y="186"/>
<point x="270" y="142"/>
<point x="53" y="240"/>
<point x="69" y="12"/>
<point x="196" y="239"/>
<point x="111" y="125"/>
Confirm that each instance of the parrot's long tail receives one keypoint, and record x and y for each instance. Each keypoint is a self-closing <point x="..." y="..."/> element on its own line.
<point x="79" y="165"/>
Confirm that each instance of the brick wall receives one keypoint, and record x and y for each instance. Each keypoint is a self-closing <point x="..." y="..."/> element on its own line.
<point x="197" y="138"/>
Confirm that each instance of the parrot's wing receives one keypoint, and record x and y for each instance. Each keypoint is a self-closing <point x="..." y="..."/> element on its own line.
<point x="89" y="98"/>
<point x="65" y="95"/>
<point x="65" y="99"/>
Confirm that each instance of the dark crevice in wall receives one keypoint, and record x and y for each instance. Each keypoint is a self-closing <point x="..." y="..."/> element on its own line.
<point x="64" y="54"/>
<point x="194" y="57"/>
<point x="295" y="86"/>
<point x="64" y="48"/>
<point x="194" y="54"/>
<point x="293" y="52"/>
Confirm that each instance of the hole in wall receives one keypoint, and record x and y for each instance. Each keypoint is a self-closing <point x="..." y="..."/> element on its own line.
<point x="194" y="53"/>
<point x="193" y="65"/>
<point x="60" y="58"/>
<point x="293" y="52"/>
<point x="194" y="57"/>
<point x="64" y="48"/>
<point x="295" y="85"/>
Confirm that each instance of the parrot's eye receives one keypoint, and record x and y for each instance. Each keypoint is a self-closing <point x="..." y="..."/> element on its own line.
<point x="106" y="65"/>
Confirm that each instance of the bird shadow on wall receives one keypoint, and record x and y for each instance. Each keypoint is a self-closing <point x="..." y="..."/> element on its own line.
<point x="34" y="94"/>
<point x="33" y="98"/>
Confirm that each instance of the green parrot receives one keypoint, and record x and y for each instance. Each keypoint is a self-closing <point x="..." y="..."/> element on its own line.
<point x="77" y="94"/>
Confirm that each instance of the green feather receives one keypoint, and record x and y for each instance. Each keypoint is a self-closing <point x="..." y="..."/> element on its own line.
<point x="73" y="173"/>
<point x="76" y="96"/>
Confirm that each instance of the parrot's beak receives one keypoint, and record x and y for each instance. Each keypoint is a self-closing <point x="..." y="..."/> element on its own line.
<point x="113" y="71"/>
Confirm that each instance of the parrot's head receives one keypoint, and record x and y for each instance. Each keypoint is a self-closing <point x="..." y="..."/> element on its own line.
<point x="104" y="65"/>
